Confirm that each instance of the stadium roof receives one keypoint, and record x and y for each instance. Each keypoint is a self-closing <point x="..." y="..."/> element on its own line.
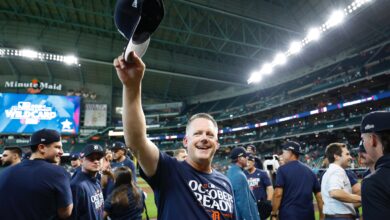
<point x="202" y="46"/>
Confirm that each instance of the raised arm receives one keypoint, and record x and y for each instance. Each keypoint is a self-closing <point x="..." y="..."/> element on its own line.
<point x="133" y="117"/>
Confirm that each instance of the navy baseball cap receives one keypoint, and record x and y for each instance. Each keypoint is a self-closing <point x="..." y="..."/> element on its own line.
<point x="118" y="145"/>
<point x="238" y="152"/>
<point x="136" y="21"/>
<point x="74" y="157"/>
<point x="293" y="146"/>
<point x="92" y="148"/>
<point x="44" y="136"/>
<point x="375" y="122"/>
<point x="251" y="157"/>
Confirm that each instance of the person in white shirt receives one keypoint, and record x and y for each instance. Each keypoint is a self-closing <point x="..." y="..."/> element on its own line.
<point x="339" y="202"/>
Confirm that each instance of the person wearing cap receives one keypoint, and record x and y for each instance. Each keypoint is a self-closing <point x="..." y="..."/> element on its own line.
<point x="251" y="149"/>
<point x="86" y="190"/>
<point x="120" y="159"/>
<point x="261" y="187"/>
<point x="294" y="187"/>
<point x="35" y="188"/>
<point x="189" y="189"/>
<point x="336" y="188"/>
<point x="246" y="204"/>
<point x="366" y="160"/>
<point x="11" y="156"/>
<point x="375" y="134"/>
<point x="75" y="164"/>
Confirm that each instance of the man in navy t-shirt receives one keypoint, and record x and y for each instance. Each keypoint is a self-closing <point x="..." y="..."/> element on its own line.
<point x="120" y="159"/>
<point x="259" y="181"/>
<point x="260" y="184"/>
<point x="294" y="188"/>
<point x="86" y="190"/>
<point x="36" y="188"/>
<point x="190" y="189"/>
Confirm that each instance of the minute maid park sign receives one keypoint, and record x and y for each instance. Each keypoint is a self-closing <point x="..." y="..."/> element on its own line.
<point x="34" y="86"/>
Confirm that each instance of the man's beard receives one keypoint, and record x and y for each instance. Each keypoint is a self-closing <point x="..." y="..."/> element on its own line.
<point x="6" y="163"/>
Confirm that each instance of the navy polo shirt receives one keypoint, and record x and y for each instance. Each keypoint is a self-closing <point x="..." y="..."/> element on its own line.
<point x="132" y="211"/>
<point x="299" y="183"/>
<point x="258" y="182"/>
<point x="181" y="192"/>
<point x="33" y="189"/>
<point x="87" y="197"/>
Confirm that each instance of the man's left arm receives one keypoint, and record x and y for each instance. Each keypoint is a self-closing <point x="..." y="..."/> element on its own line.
<point x="277" y="199"/>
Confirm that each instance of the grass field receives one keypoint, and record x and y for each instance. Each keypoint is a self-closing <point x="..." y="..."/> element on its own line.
<point x="150" y="205"/>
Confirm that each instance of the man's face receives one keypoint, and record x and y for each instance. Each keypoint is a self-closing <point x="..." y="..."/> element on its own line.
<point x="75" y="163"/>
<point x="181" y="156"/>
<point x="7" y="158"/>
<point x="53" y="152"/>
<point x="369" y="144"/>
<point x="251" y="164"/>
<point x="249" y="150"/>
<point x="366" y="159"/>
<point x="286" y="156"/>
<point x="243" y="161"/>
<point x="201" y="141"/>
<point x="117" y="153"/>
<point x="92" y="163"/>
<point x="345" y="158"/>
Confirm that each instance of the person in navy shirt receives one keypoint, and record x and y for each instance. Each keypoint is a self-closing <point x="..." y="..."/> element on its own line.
<point x="36" y="188"/>
<point x="86" y="190"/>
<point x="294" y="188"/>
<point x="190" y="189"/>
<point x="252" y="150"/>
<point x="375" y="134"/>
<point x="120" y="159"/>
<point x="126" y="200"/>
<point x="246" y="204"/>
<point x="260" y="184"/>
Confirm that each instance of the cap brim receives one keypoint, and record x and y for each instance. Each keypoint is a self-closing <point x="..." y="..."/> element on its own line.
<point x="139" y="49"/>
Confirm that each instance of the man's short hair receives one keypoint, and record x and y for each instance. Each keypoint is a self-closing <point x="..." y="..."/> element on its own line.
<point x="178" y="151"/>
<point x="201" y="115"/>
<point x="334" y="149"/>
<point x="15" y="150"/>
<point x="384" y="138"/>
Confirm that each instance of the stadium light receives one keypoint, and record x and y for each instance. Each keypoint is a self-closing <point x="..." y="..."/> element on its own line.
<point x="280" y="59"/>
<point x="70" y="59"/>
<point x="295" y="47"/>
<point x="27" y="53"/>
<point x="267" y="68"/>
<point x="336" y="18"/>
<point x="313" y="34"/>
<point x="40" y="56"/>
<point x="254" y="78"/>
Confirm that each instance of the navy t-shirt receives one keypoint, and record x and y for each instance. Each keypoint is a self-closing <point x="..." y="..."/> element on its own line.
<point x="126" y="163"/>
<point x="33" y="189"/>
<point x="110" y="183"/>
<point x="133" y="211"/>
<point x="87" y="197"/>
<point x="181" y="192"/>
<point x="298" y="182"/>
<point x="258" y="182"/>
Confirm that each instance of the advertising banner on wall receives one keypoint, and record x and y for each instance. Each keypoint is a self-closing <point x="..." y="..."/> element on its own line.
<point x="95" y="115"/>
<point x="27" y="113"/>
